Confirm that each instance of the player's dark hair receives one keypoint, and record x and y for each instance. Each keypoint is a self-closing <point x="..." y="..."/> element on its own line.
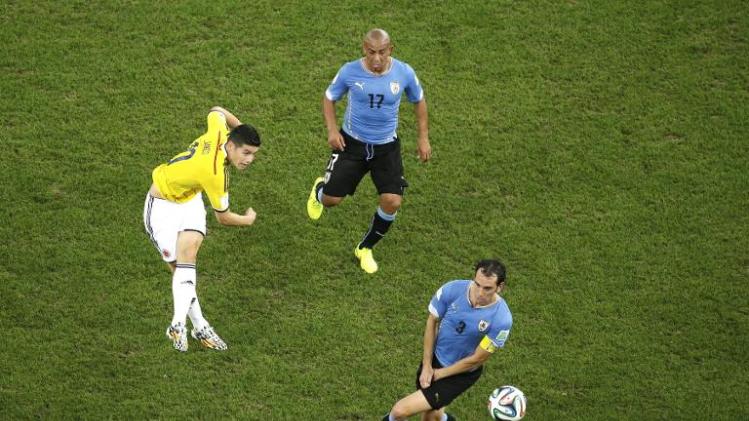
<point x="244" y="134"/>
<point x="492" y="267"/>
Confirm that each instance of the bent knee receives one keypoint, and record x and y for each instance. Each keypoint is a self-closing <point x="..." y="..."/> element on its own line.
<point x="330" y="201"/>
<point x="433" y="415"/>
<point x="390" y="203"/>
<point x="187" y="254"/>
<point x="400" y="411"/>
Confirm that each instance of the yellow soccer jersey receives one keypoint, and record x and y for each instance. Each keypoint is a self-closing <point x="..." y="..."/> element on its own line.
<point x="200" y="168"/>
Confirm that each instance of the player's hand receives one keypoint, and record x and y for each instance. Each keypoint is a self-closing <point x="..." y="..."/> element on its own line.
<point x="425" y="379"/>
<point x="250" y="215"/>
<point x="335" y="140"/>
<point x="425" y="150"/>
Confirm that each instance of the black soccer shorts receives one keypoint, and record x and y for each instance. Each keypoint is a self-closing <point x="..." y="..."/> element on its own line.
<point x="346" y="168"/>
<point x="444" y="391"/>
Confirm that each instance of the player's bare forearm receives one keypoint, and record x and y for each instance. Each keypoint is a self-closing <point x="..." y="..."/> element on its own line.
<point x="335" y="140"/>
<point x="430" y="334"/>
<point x="328" y="112"/>
<point x="231" y="120"/>
<point x="461" y="366"/>
<point x="422" y="119"/>
<point x="230" y="218"/>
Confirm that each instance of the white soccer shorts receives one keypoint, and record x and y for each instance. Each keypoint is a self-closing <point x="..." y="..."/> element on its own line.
<point x="164" y="220"/>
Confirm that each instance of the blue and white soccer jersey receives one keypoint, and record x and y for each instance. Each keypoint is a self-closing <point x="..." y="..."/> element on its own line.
<point x="463" y="327"/>
<point x="373" y="99"/>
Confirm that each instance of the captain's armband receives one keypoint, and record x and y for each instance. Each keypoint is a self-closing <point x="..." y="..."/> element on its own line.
<point x="487" y="345"/>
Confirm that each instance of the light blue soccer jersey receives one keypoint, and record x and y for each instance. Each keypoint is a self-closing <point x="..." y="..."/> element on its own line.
<point x="373" y="100"/>
<point x="462" y="326"/>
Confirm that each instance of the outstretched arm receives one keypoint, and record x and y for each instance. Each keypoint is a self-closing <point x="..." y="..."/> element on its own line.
<point x="231" y="120"/>
<point x="422" y="119"/>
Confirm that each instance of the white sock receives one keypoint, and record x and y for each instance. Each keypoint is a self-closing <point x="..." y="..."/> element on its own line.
<point x="196" y="315"/>
<point x="444" y="417"/>
<point x="183" y="291"/>
<point x="391" y="417"/>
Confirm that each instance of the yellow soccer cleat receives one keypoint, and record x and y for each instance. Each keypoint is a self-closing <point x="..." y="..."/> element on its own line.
<point x="366" y="261"/>
<point x="314" y="207"/>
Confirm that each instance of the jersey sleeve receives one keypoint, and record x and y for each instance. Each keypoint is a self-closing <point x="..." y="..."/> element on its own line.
<point x="497" y="335"/>
<point x="442" y="299"/>
<point x="217" y="122"/>
<point x="217" y="190"/>
<point x="338" y="87"/>
<point x="414" y="91"/>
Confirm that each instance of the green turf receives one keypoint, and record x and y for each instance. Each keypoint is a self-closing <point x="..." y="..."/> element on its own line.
<point x="599" y="148"/>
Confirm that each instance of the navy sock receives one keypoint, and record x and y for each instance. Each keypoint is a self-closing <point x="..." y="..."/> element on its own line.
<point x="380" y="225"/>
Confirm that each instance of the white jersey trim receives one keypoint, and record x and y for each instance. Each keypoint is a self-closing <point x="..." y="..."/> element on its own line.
<point x="364" y="66"/>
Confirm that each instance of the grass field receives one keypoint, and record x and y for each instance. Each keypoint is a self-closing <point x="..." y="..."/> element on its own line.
<point x="599" y="148"/>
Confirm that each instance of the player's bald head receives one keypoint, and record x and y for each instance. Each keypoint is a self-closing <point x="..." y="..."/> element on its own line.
<point x="377" y="49"/>
<point x="377" y="36"/>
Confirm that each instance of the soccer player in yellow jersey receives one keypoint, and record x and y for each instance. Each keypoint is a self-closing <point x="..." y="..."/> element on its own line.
<point x="174" y="213"/>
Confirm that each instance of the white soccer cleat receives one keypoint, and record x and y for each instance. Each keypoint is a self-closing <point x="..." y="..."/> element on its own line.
<point x="178" y="335"/>
<point x="209" y="339"/>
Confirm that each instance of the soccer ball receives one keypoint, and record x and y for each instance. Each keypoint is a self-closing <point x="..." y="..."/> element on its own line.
<point x="507" y="404"/>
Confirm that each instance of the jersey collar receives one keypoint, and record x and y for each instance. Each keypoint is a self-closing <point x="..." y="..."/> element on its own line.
<point x="468" y="297"/>
<point x="364" y="66"/>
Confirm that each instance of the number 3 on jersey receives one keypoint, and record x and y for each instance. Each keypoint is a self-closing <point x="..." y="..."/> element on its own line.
<point x="331" y="164"/>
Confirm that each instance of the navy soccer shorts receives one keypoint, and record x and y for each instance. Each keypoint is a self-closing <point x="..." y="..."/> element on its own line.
<point x="444" y="391"/>
<point x="346" y="168"/>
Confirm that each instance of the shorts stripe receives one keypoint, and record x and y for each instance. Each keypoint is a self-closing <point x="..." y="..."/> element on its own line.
<point x="149" y="230"/>
<point x="194" y="230"/>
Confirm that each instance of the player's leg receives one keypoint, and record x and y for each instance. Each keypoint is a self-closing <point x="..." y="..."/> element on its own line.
<point x="410" y="405"/>
<point x="382" y="219"/>
<point x="188" y="244"/>
<point x="162" y="220"/>
<point x="378" y="227"/>
<point x="387" y="175"/>
<point x="184" y="281"/>
<point x="342" y="176"/>
<point x="161" y="226"/>
<point x="193" y="230"/>
<point x="437" y="415"/>
<point x="442" y="392"/>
